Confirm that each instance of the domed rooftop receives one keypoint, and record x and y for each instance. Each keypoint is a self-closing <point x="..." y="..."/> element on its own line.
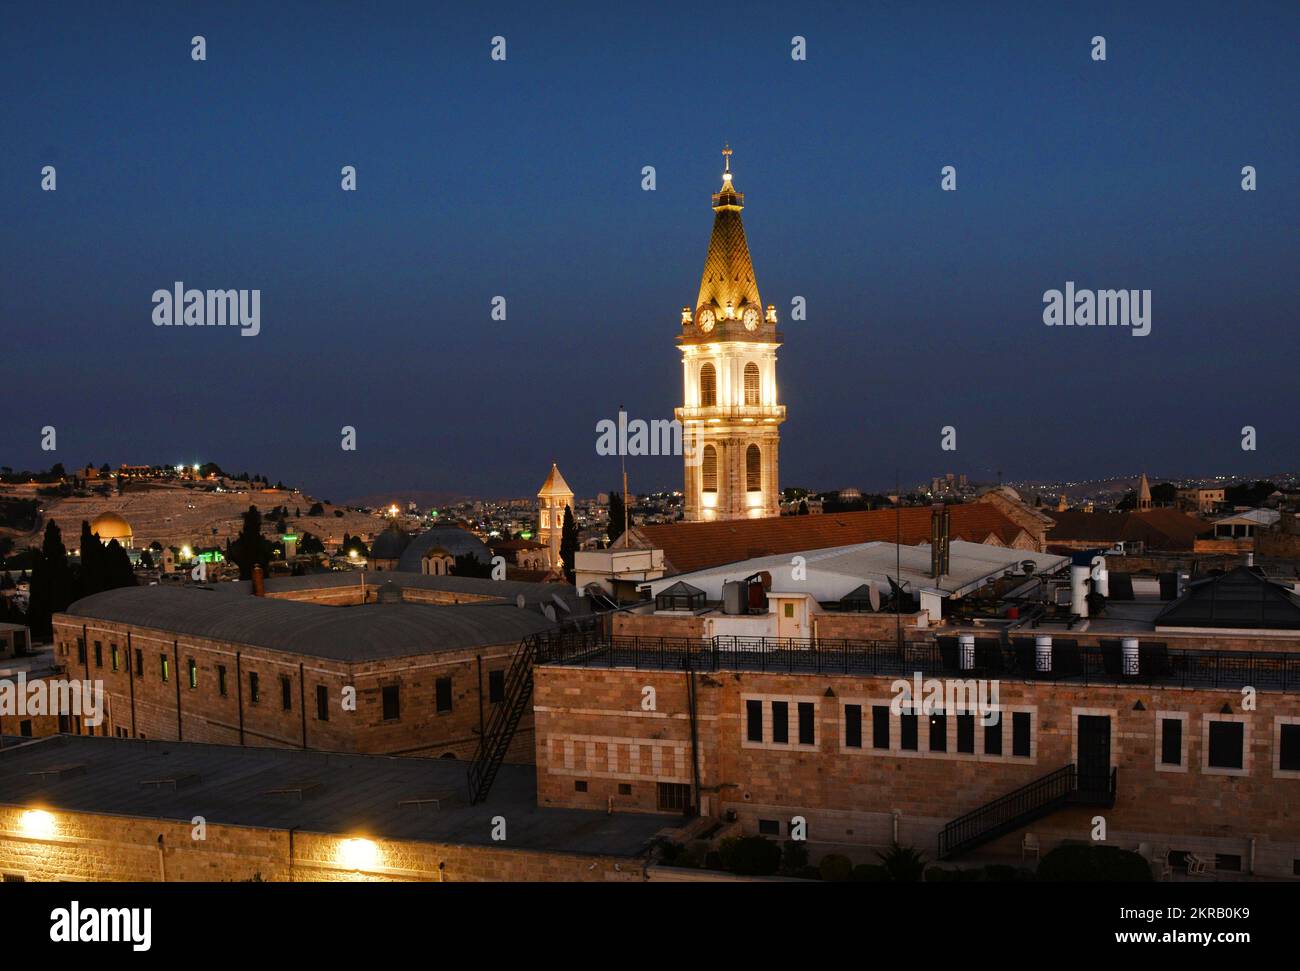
<point x="454" y="540"/>
<point x="389" y="544"/>
<point x="110" y="526"/>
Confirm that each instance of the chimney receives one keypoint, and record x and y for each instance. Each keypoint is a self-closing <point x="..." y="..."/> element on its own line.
<point x="259" y="582"/>
<point x="936" y="541"/>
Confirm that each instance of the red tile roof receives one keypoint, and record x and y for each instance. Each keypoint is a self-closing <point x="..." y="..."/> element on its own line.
<point x="1158" y="529"/>
<point x="698" y="546"/>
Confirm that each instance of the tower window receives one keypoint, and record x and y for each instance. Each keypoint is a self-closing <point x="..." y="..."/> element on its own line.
<point x="709" y="467"/>
<point x="753" y="469"/>
<point x="751" y="384"/>
<point x="708" y="386"/>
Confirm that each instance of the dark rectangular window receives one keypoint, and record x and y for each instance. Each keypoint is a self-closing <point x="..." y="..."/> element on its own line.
<point x="908" y="731"/>
<point x="993" y="736"/>
<point x="165" y="668"/>
<point x="322" y="703"/>
<point x="194" y="673"/>
<point x="221" y="679"/>
<point x="99" y="654"/>
<point x="780" y="722"/>
<point x="769" y="827"/>
<point x="254" y="687"/>
<point x="1171" y="741"/>
<point x="81" y="650"/>
<point x="625" y="788"/>
<point x="853" y="726"/>
<point x="139" y="663"/>
<point x="673" y="797"/>
<point x="938" y="732"/>
<point x="966" y="733"/>
<point x="880" y="726"/>
<point x="65" y="725"/>
<point x="1230" y="862"/>
<point x="1226" y="744"/>
<point x="1289" y="748"/>
<point x="114" y="659"/>
<point x="286" y="693"/>
<point x="580" y="785"/>
<point x="25" y="728"/>
<point x="392" y="703"/>
<point x="496" y="687"/>
<point x="442" y="691"/>
<point x="754" y="720"/>
<point x="807" y="724"/>
<point x="1020" y="734"/>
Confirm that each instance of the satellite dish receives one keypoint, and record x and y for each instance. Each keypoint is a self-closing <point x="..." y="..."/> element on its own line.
<point x="521" y="601"/>
<point x="1028" y="567"/>
<point x="873" y="595"/>
<point x="549" y="611"/>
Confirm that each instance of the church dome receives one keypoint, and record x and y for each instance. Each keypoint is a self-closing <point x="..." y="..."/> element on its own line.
<point x="110" y="526"/>
<point x="453" y="540"/>
<point x="390" y="544"/>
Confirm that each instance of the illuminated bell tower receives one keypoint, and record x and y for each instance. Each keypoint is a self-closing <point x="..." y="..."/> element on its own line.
<point x="730" y="416"/>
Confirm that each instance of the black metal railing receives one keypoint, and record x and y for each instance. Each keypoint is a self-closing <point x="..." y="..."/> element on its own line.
<point x="992" y="659"/>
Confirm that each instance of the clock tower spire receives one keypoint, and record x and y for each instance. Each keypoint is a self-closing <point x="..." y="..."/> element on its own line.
<point x="730" y="413"/>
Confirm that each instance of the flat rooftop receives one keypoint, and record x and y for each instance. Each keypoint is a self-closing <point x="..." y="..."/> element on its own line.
<point x="357" y="633"/>
<point x="316" y="792"/>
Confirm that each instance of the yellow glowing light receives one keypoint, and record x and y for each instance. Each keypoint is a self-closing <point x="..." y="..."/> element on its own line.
<point x="186" y="553"/>
<point x="392" y="510"/>
<point x="196" y="466"/>
<point x="352" y="553"/>
<point x="358" y="854"/>
<point x="37" y="822"/>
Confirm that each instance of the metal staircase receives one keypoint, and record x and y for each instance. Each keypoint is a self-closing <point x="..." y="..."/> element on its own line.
<point x="1022" y="806"/>
<point x="500" y="729"/>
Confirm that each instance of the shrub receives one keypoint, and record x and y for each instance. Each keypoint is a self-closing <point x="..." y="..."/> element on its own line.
<point x="836" y="868"/>
<point x="794" y="856"/>
<point x="904" y="864"/>
<point x="809" y="873"/>
<point x="869" y="873"/>
<point x="713" y="860"/>
<point x="1081" y="863"/>
<point x="751" y="856"/>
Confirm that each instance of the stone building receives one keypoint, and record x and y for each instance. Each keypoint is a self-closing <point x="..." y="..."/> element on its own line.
<point x="553" y="498"/>
<point x="730" y="413"/>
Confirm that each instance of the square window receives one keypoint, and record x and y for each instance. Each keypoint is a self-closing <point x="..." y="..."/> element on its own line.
<point x="442" y="689"/>
<point x="1231" y="862"/>
<point x="625" y="789"/>
<point x="789" y="610"/>
<point x="807" y="724"/>
<point x="769" y="827"/>
<point x="673" y="797"/>
<point x="1288" y="741"/>
<point x="1020" y="729"/>
<point x="1171" y="741"/>
<point x="580" y="785"/>
<point x="392" y="703"/>
<point x="966" y="733"/>
<point x="754" y="720"/>
<point x="908" y="729"/>
<point x="1226" y="744"/>
<point x="993" y="736"/>
<point x="880" y="727"/>
<point x="938" y="732"/>
<point x="853" y="726"/>
<point x="780" y="723"/>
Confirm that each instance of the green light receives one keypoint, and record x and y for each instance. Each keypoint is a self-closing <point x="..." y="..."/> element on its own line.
<point x="526" y="535"/>
<point x="290" y="537"/>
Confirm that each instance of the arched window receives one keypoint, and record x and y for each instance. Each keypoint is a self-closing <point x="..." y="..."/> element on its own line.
<point x="753" y="469"/>
<point x="751" y="384"/>
<point x="710" y="468"/>
<point x="708" y="386"/>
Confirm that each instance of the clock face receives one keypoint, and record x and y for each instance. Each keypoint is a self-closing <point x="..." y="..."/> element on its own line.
<point x="751" y="319"/>
<point x="706" y="320"/>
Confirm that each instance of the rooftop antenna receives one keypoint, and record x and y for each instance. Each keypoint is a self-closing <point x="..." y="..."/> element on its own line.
<point x="622" y="458"/>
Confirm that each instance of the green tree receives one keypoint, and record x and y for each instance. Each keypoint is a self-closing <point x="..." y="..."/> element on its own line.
<point x="51" y="584"/>
<point x="92" y="576"/>
<point x="615" y="528"/>
<point x="569" y="544"/>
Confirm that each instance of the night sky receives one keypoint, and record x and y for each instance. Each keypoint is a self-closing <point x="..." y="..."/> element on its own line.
<point x="523" y="178"/>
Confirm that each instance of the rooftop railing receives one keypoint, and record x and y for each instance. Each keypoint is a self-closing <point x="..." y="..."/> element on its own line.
<point x="992" y="659"/>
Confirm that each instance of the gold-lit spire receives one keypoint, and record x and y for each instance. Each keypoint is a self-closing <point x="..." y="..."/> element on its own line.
<point x="728" y="278"/>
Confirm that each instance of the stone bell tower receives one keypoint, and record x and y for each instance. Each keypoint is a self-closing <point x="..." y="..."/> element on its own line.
<point x="730" y="415"/>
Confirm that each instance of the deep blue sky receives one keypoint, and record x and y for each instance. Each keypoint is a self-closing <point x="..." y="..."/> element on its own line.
<point x="522" y="178"/>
